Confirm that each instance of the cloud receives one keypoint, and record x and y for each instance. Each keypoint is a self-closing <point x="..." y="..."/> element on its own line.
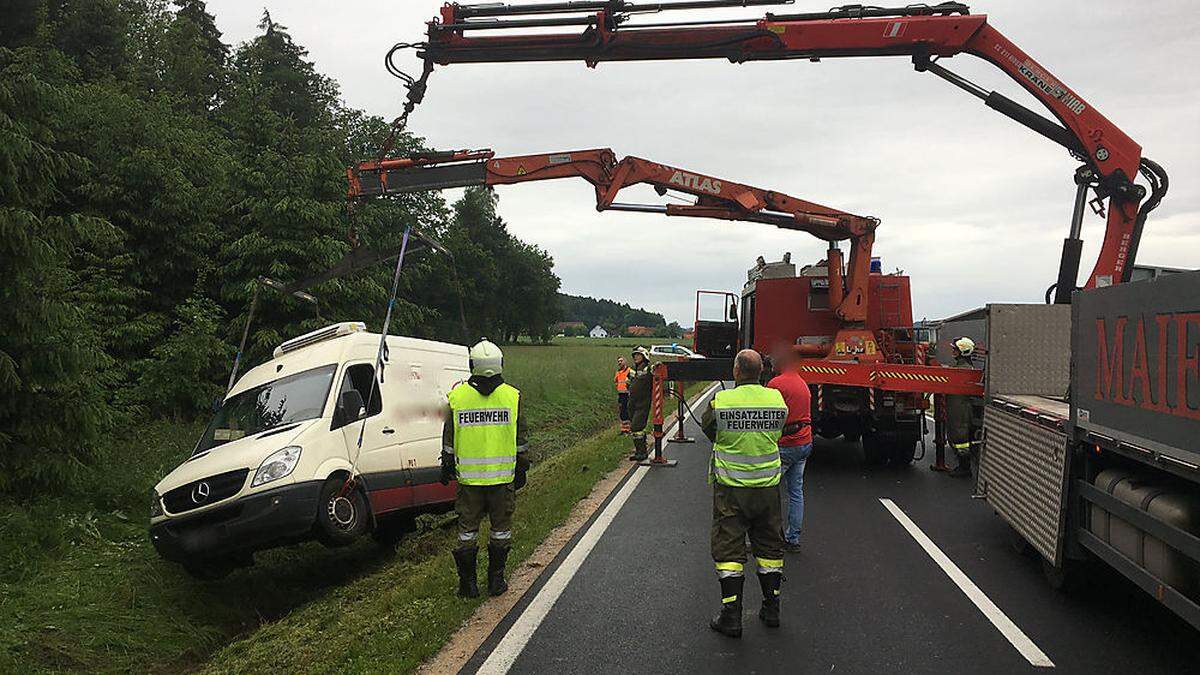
<point x="973" y="205"/>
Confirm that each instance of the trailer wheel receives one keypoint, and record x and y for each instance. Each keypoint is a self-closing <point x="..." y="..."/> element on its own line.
<point x="1018" y="543"/>
<point x="1068" y="578"/>
<point x="341" y="518"/>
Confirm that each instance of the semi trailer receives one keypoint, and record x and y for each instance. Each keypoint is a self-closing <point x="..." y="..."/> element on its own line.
<point x="1091" y="434"/>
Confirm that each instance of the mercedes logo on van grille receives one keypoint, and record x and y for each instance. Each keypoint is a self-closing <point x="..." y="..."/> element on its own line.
<point x="200" y="492"/>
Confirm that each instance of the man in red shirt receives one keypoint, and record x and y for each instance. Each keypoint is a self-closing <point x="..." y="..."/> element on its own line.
<point x="796" y="443"/>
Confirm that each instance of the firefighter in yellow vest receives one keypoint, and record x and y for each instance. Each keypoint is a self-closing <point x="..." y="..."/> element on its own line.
<point x="484" y="447"/>
<point x="745" y="424"/>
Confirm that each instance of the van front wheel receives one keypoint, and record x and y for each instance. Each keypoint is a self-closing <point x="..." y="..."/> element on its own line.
<point x="342" y="513"/>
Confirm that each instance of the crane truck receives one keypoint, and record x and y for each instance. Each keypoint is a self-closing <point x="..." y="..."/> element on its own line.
<point x="786" y="307"/>
<point x="929" y="35"/>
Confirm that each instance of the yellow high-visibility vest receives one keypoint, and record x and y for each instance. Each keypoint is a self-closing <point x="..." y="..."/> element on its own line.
<point x="485" y="434"/>
<point x="750" y="420"/>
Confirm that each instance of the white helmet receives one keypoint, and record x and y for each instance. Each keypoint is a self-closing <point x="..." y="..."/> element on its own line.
<point x="964" y="346"/>
<point x="486" y="359"/>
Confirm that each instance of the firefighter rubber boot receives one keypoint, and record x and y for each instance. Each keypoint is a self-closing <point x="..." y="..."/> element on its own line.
<point x="769" y="614"/>
<point x="639" y="449"/>
<point x="464" y="560"/>
<point x="729" y="620"/>
<point x="497" y="558"/>
<point x="963" y="469"/>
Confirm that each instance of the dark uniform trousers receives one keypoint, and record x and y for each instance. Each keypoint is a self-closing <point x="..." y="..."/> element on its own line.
<point x="497" y="502"/>
<point x="738" y="511"/>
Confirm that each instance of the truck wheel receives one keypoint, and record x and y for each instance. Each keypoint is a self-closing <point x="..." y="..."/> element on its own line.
<point x="341" y="518"/>
<point x="390" y="530"/>
<point x="903" y="450"/>
<point x="874" y="449"/>
<point x="852" y="436"/>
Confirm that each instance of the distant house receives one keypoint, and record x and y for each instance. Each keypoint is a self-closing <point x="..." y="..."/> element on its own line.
<point x="639" y="331"/>
<point x="598" y="332"/>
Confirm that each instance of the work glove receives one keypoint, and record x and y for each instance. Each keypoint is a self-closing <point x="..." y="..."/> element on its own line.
<point x="520" y="478"/>
<point x="449" y="471"/>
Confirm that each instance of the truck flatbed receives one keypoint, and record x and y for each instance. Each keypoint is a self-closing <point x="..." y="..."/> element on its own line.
<point x="1053" y="412"/>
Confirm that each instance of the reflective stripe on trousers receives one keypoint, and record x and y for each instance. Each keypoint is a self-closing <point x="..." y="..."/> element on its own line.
<point x="769" y="565"/>
<point x="729" y="569"/>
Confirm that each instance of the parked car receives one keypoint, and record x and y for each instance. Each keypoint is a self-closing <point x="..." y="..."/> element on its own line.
<point x="676" y="351"/>
<point x="272" y="466"/>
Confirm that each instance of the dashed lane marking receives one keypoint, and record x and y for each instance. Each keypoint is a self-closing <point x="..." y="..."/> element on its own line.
<point x="999" y="619"/>
<point x="513" y="643"/>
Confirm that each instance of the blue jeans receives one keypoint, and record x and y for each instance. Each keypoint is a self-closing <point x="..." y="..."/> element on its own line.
<point x="794" y="458"/>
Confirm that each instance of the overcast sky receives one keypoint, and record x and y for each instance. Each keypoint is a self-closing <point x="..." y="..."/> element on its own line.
<point x="973" y="206"/>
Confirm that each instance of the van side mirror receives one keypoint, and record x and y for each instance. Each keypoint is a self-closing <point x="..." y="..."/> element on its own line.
<point x="350" y="408"/>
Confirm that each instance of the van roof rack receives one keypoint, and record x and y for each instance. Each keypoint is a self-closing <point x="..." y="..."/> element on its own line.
<point x="320" y="335"/>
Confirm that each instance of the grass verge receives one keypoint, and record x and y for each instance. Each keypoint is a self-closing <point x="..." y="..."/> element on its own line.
<point x="393" y="620"/>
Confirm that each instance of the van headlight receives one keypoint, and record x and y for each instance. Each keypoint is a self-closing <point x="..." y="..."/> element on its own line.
<point x="156" y="509"/>
<point x="279" y="464"/>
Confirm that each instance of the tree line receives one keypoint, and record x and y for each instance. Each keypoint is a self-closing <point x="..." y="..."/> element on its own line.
<point x="149" y="173"/>
<point x="614" y="317"/>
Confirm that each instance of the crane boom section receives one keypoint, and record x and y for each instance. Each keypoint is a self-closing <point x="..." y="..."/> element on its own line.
<point x="715" y="197"/>
<point x="924" y="33"/>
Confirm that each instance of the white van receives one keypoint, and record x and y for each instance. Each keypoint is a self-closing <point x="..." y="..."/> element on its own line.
<point x="272" y="466"/>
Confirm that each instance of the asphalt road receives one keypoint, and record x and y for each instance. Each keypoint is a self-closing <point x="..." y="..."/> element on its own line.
<point x="862" y="596"/>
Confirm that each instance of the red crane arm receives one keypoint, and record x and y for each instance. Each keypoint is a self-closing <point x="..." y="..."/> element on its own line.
<point x="715" y="197"/>
<point x="926" y="34"/>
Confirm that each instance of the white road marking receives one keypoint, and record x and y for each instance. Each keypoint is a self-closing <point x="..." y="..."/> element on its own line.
<point x="999" y="619"/>
<point x="519" y="634"/>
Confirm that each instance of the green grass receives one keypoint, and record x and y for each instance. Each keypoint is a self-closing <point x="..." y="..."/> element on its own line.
<point x="82" y="590"/>
<point x="567" y="391"/>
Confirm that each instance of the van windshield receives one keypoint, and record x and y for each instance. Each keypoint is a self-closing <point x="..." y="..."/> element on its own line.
<point x="289" y="399"/>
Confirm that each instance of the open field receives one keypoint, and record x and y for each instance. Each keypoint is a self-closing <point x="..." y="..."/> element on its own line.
<point x="81" y="589"/>
<point x="625" y="342"/>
